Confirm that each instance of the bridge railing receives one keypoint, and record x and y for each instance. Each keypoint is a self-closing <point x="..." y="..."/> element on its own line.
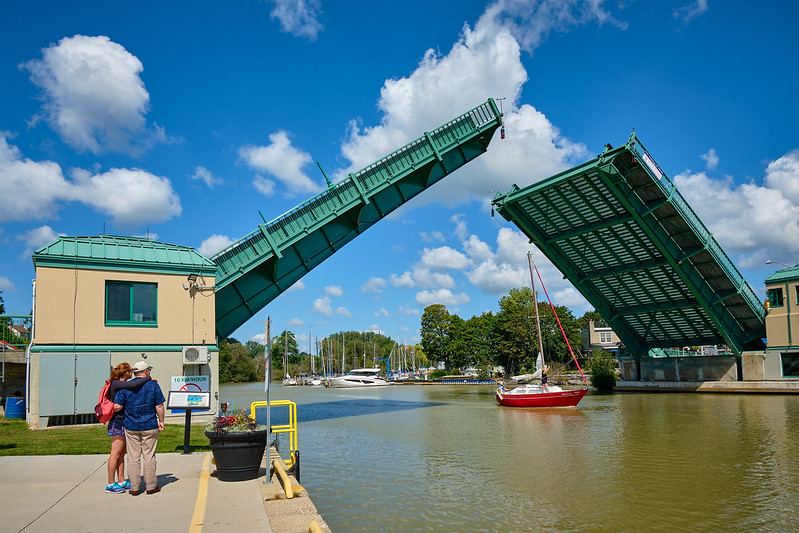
<point x="696" y="225"/>
<point x="346" y="191"/>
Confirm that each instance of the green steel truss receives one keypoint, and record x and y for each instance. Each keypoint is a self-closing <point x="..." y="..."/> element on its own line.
<point x="259" y="267"/>
<point x="619" y="230"/>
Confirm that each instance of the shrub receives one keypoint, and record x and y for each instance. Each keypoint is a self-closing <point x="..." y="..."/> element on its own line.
<point x="603" y="370"/>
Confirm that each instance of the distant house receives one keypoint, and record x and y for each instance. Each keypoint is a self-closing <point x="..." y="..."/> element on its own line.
<point x="20" y="331"/>
<point x="599" y="338"/>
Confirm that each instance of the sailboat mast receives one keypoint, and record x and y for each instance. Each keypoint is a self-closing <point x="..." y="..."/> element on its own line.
<point x="535" y="305"/>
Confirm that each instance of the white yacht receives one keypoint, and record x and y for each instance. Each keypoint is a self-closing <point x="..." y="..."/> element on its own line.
<point x="359" y="377"/>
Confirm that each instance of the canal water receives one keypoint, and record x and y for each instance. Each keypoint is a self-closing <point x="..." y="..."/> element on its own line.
<point x="447" y="458"/>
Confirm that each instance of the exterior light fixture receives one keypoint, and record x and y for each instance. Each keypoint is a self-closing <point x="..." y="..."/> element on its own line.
<point x="770" y="262"/>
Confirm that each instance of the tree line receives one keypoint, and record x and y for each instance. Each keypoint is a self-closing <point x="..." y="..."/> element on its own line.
<point x="336" y="353"/>
<point x="506" y="339"/>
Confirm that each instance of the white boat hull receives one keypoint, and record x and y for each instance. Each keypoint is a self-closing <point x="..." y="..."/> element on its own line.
<point x="360" y="377"/>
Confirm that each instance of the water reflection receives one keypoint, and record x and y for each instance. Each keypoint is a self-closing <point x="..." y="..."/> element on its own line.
<point x="448" y="458"/>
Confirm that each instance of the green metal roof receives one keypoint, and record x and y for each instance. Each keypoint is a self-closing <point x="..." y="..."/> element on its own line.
<point x="122" y="253"/>
<point x="260" y="266"/>
<point x="619" y="230"/>
<point x="786" y="274"/>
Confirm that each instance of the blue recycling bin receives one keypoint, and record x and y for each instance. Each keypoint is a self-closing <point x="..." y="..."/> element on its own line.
<point x="15" y="407"/>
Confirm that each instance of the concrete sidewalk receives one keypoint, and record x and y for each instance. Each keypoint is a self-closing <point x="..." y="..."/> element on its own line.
<point x="67" y="493"/>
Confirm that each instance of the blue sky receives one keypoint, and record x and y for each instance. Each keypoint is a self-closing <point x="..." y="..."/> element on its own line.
<point x="182" y="120"/>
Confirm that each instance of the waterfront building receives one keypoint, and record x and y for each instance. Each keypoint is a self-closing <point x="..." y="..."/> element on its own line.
<point x="781" y="358"/>
<point x="102" y="300"/>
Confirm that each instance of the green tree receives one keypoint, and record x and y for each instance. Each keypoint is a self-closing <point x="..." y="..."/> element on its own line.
<point x="459" y="343"/>
<point x="435" y="331"/>
<point x="255" y="349"/>
<point x="518" y="344"/>
<point x="516" y="324"/>
<point x="589" y="316"/>
<point x="480" y="341"/>
<point x="234" y="364"/>
<point x="284" y="344"/>
<point x="2" y="304"/>
<point x="555" y="347"/>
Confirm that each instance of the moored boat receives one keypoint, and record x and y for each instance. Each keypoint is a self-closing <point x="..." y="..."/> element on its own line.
<point x="359" y="377"/>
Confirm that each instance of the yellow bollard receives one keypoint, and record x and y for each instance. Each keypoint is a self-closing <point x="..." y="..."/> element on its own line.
<point x="284" y="477"/>
<point x="314" y="528"/>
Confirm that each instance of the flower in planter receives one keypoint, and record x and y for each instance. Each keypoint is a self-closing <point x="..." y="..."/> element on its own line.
<point x="239" y="421"/>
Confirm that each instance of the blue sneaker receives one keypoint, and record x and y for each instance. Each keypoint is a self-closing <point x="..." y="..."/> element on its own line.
<point x="125" y="485"/>
<point x="114" y="488"/>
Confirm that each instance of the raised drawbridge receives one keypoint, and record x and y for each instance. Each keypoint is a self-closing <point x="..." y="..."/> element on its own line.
<point x="259" y="267"/>
<point x="621" y="232"/>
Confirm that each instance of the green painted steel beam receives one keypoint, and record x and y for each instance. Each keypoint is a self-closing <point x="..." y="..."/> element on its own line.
<point x="614" y="178"/>
<point x="619" y="230"/>
<point x="260" y="266"/>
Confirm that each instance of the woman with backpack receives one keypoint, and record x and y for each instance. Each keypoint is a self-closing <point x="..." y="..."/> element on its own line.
<point x="118" y="380"/>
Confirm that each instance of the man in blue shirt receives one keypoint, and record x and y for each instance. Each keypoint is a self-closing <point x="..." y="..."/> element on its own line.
<point x="144" y="420"/>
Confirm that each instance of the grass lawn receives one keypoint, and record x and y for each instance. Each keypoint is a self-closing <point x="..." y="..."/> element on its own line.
<point x="17" y="439"/>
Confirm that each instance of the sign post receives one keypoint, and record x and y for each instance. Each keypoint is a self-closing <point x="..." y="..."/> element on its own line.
<point x="267" y="380"/>
<point x="188" y="400"/>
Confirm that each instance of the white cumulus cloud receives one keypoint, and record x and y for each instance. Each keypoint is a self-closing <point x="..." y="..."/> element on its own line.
<point x="441" y="296"/>
<point x="38" y="237"/>
<point x="485" y="61"/>
<point x="687" y="13"/>
<point x="30" y="190"/>
<point x="281" y="160"/>
<point x="94" y="97"/>
<point x="401" y="280"/>
<point x="6" y="284"/>
<point x="334" y="290"/>
<point x="748" y="217"/>
<point x="374" y="285"/>
<point x="35" y="190"/>
<point x="214" y="244"/>
<point x="298" y="17"/>
<point x="129" y="196"/>
<point x="323" y="305"/>
<point x="711" y="159"/>
<point x="442" y="258"/>
<point x="204" y="175"/>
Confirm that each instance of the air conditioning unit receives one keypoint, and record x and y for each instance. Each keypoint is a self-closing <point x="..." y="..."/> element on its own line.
<point x="195" y="355"/>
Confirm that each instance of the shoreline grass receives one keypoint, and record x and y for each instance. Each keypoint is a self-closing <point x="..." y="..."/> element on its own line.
<point x="90" y="439"/>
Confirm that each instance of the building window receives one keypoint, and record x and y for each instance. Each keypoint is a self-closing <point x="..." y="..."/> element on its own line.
<point x="790" y="364"/>
<point x="605" y="337"/>
<point x="130" y="304"/>
<point x="774" y="297"/>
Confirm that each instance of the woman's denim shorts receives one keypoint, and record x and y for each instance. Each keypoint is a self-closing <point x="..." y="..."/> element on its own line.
<point x="115" y="427"/>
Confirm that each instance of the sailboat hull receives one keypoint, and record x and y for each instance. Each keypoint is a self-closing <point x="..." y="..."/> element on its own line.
<point x="563" y="398"/>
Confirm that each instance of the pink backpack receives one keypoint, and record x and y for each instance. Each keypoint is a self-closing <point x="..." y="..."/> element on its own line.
<point x="104" y="409"/>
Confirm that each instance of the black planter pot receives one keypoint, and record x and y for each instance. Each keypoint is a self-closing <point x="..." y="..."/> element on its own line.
<point x="237" y="455"/>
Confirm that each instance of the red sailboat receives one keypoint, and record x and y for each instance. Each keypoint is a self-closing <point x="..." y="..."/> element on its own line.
<point x="543" y="394"/>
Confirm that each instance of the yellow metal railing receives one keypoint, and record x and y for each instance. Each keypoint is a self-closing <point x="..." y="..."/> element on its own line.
<point x="290" y="428"/>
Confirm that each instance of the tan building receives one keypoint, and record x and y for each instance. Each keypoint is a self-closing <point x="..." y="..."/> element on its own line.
<point x="781" y="360"/>
<point x="99" y="301"/>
